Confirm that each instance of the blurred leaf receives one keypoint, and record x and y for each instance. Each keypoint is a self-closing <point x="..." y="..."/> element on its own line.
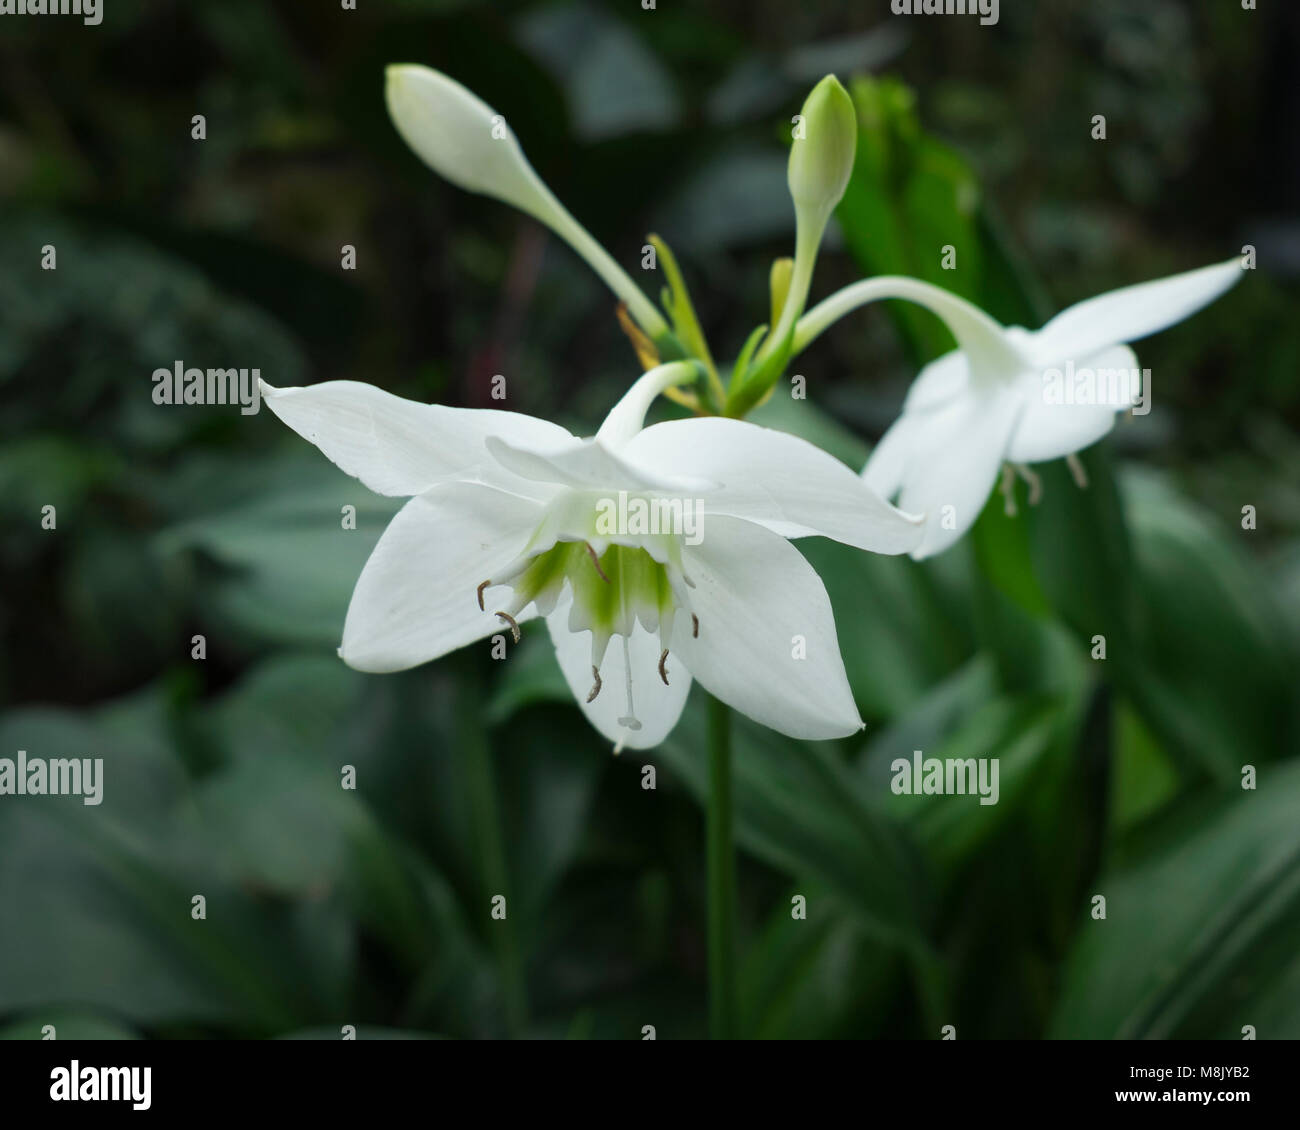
<point x="288" y="565"/>
<point x="1199" y="930"/>
<point x="799" y="809"/>
<point x="615" y="85"/>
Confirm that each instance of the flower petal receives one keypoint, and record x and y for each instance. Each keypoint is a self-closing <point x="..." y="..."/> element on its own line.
<point x="776" y="480"/>
<point x="585" y="464"/>
<point x="1049" y="429"/>
<point x="1132" y="312"/>
<point x="397" y="446"/>
<point x="416" y="597"/>
<point x="951" y="462"/>
<point x="655" y="706"/>
<point x="888" y="460"/>
<point x="760" y="606"/>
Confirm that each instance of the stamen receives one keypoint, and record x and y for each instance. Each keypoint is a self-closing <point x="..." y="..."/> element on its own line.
<point x="596" y="562"/>
<point x="662" y="673"/>
<point x="595" y="674"/>
<point x="1076" y="469"/>
<point x="695" y="626"/>
<point x="514" y="624"/>
<point x="630" y="721"/>
<point x="1008" y="489"/>
<point x="480" y="595"/>
<point x="1035" y="483"/>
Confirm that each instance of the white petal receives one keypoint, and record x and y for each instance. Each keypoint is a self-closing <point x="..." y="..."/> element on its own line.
<point x="888" y="460"/>
<point x="1051" y="430"/>
<point x="1132" y="313"/>
<point x="397" y="446"/>
<point x="655" y="706"/>
<point x="417" y="596"/>
<point x="585" y="464"/>
<point x="939" y="381"/>
<point x="760" y="605"/>
<point x="952" y="462"/>
<point x="777" y="480"/>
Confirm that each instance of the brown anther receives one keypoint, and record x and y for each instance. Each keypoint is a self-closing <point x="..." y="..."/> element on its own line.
<point x="514" y="624"/>
<point x="662" y="673"/>
<point x="480" y="595"/>
<point x="695" y="626"/>
<point x="595" y="674"/>
<point x="596" y="562"/>
<point x="1076" y="469"/>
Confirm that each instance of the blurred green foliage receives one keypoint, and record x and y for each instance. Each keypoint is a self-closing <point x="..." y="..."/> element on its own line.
<point x="371" y="907"/>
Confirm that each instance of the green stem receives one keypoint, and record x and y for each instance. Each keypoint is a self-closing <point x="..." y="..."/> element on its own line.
<point x="489" y="840"/>
<point x="721" y="878"/>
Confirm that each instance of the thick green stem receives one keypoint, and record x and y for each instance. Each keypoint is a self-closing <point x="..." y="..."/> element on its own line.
<point x="721" y="878"/>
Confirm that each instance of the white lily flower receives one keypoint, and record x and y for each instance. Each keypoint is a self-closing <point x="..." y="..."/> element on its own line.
<point x="996" y="398"/>
<point x="468" y="143"/>
<point x="507" y="521"/>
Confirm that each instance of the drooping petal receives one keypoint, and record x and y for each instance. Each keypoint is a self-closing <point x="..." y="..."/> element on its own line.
<point x="468" y="143"/>
<point x="416" y="598"/>
<point x="397" y="446"/>
<point x="776" y="480"/>
<point x="938" y="382"/>
<point x="952" y="461"/>
<point x="655" y="706"/>
<point x="1059" y="419"/>
<point x="1132" y="312"/>
<point x="888" y="460"/>
<point x="767" y="644"/>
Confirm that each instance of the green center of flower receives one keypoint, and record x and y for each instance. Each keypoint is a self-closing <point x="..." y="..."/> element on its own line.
<point x="612" y="592"/>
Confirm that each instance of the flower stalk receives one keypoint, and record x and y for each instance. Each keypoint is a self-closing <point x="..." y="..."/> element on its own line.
<point x="721" y="878"/>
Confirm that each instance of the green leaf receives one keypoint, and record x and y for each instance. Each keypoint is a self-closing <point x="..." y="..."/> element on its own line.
<point x="799" y="809"/>
<point x="1199" y="934"/>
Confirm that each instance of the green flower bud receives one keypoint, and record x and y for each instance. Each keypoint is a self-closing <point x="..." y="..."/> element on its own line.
<point x="825" y="142"/>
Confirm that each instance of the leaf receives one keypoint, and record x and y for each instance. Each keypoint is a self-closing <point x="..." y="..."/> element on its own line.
<point x="798" y="808"/>
<point x="1198" y="938"/>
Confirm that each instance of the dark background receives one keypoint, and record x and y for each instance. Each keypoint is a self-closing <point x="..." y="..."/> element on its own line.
<point x="327" y="907"/>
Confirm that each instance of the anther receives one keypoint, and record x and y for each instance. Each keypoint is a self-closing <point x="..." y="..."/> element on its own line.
<point x="480" y="595"/>
<point x="695" y="626"/>
<point x="514" y="624"/>
<point x="1076" y="469"/>
<point x="596" y="562"/>
<point x="595" y="674"/>
<point x="662" y="673"/>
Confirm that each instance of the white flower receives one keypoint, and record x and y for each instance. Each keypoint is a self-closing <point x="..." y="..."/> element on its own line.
<point x="504" y="525"/>
<point x="1006" y="394"/>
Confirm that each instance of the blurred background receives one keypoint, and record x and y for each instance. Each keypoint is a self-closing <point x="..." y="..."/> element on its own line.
<point x="1120" y="777"/>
